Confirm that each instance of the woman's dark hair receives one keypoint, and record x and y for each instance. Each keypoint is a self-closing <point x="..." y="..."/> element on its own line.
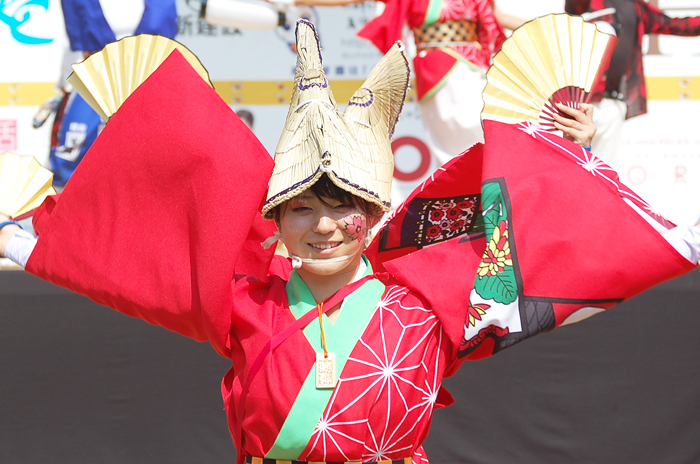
<point x="325" y="188"/>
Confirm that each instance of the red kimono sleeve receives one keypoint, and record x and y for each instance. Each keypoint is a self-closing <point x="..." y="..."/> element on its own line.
<point x="155" y="218"/>
<point x="521" y="235"/>
<point x="387" y="28"/>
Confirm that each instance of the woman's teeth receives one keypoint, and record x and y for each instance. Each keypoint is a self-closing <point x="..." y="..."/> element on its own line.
<point x="325" y="246"/>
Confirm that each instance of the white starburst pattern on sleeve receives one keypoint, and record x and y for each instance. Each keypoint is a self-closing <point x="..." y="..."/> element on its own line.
<point x="530" y="128"/>
<point x="388" y="388"/>
<point x="595" y="166"/>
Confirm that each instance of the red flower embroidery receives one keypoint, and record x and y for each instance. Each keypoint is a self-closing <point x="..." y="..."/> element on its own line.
<point x="465" y="204"/>
<point x="433" y="231"/>
<point x="436" y="215"/>
<point x="457" y="225"/>
<point x="454" y="213"/>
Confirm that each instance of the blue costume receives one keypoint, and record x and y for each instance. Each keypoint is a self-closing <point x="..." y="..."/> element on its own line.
<point x="76" y="124"/>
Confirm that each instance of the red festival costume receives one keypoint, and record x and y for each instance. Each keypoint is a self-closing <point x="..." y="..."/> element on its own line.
<point x="455" y="41"/>
<point x="650" y="20"/>
<point x="507" y="260"/>
<point x="434" y="66"/>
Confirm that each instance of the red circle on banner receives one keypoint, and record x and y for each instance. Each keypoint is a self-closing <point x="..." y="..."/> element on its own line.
<point x="634" y="179"/>
<point x="422" y="148"/>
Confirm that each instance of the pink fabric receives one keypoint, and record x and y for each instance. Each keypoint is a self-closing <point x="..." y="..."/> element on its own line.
<point x="573" y="240"/>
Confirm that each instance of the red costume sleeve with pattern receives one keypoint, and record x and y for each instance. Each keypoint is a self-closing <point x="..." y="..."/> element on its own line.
<point x="387" y="28"/>
<point x="656" y="22"/>
<point x="491" y="32"/>
<point x="543" y="235"/>
<point x="155" y="219"/>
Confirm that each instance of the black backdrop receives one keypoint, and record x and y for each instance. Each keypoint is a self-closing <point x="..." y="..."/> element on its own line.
<point x="82" y="384"/>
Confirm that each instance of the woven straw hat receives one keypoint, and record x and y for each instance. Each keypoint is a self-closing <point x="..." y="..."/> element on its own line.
<point x="352" y="148"/>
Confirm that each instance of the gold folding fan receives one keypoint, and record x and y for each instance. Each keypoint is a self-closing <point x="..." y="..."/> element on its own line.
<point x="24" y="184"/>
<point x="108" y="77"/>
<point x="553" y="59"/>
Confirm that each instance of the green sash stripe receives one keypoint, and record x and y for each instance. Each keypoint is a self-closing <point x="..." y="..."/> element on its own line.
<point x="463" y="60"/>
<point x="433" y="13"/>
<point x="341" y="338"/>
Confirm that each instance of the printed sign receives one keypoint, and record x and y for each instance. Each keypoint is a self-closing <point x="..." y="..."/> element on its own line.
<point x="8" y="135"/>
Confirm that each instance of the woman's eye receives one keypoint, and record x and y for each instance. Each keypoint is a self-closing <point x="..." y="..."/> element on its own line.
<point x="300" y="208"/>
<point x="342" y="207"/>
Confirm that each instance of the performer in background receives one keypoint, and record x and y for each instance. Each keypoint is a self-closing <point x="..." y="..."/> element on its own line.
<point x="622" y="94"/>
<point x="455" y="40"/>
<point x="90" y="25"/>
<point x="340" y="355"/>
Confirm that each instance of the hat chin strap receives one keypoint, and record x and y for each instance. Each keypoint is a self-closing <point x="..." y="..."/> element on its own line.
<point x="297" y="261"/>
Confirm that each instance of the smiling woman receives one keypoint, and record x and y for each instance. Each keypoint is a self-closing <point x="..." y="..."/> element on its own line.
<point x="324" y="230"/>
<point x="341" y="358"/>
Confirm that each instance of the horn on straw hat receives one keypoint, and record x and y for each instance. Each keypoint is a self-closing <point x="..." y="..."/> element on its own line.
<point x="352" y="149"/>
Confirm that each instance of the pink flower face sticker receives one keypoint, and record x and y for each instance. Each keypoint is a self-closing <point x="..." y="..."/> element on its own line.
<point x="355" y="226"/>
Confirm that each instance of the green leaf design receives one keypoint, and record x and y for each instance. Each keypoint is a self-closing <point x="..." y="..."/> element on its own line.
<point x="493" y="206"/>
<point x="502" y="287"/>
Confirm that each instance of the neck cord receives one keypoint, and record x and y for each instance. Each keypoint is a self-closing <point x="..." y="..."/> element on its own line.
<point x="360" y="272"/>
<point x="323" y="336"/>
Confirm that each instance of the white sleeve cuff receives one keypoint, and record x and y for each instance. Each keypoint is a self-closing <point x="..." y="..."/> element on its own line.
<point x="20" y="247"/>
<point x="686" y="240"/>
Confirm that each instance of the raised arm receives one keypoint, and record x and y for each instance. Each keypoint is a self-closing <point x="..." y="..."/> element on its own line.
<point x="549" y="237"/>
<point x="507" y="21"/>
<point x="6" y="232"/>
<point x="656" y="22"/>
<point x="15" y="243"/>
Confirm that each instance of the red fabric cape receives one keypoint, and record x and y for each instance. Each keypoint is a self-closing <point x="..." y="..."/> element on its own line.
<point x="575" y="241"/>
<point x="171" y="174"/>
